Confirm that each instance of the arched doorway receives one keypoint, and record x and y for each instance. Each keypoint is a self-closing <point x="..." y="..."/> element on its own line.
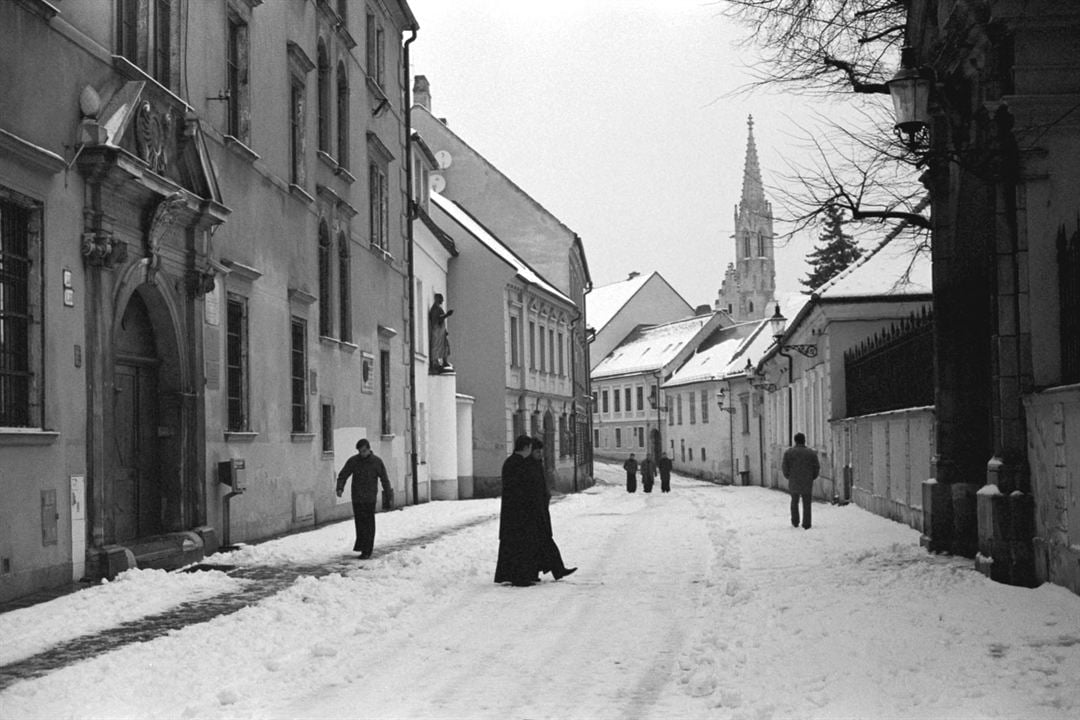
<point x="142" y="453"/>
<point x="133" y="456"/>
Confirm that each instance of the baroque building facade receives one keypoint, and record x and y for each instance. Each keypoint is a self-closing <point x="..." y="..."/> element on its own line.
<point x="204" y="243"/>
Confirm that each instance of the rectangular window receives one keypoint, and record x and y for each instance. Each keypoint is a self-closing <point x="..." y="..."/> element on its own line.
<point x="127" y="23"/>
<point x="618" y="437"/>
<point x="551" y="351"/>
<point x="705" y="406"/>
<point x="327" y="428"/>
<point x="532" y="345"/>
<point x="376" y="50"/>
<point x="325" y="315"/>
<point x="618" y="401"/>
<point x="678" y="408"/>
<point x="543" y="352"/>
<point x="20" y="285"/>
<point x="515" y="355"/>
<point x="744" y="410"/>
<point x="296" y="138"/>
<point x="702" y="454"/>
<point x="384" y="385"/>
<point x="379" y="205"/>
<point x="596" y="437"/>
<point x="626" y="397"/>
<point x="298" y="371"/>
<point x="144" y="35"/>
<point x="604" y="402"/>
<point x="236" y="78"/>
<point x="236" y="362"/>
<point x="640" y="398"/>
<point x="641" y="437"/>
<point x="562" y="367"/>
<point x="344" y="289"/>
<point x="692" y="407"/>
<point x="690" y="454"/>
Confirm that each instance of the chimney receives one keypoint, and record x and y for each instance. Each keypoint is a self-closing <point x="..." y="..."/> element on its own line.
<point x="633" y="274"/>
<point x="422" y="92"/>
<point x="703" y="310"/>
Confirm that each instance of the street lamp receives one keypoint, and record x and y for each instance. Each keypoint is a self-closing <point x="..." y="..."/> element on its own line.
<point x="910" y="91"/>
<point x="654" y="402"/>
<point x="720" y="402"/>
<point x="757" y="378"/>
<point x="778" y="324"/>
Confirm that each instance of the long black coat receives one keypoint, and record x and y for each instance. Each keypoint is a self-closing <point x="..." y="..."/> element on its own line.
<point x="521" y="527"/>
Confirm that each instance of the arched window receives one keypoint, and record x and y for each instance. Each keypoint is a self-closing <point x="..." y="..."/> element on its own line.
<point x="761" y="244"/>
<point x="324" y="98"/>
<point x="342" y="116"/>
<point x="746" y="243"/>
<point x="344" y="289"/>
<point x="325" y="324"/>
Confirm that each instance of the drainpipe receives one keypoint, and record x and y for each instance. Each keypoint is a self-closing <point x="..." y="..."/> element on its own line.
<point x="573" y="389"/>
<point x="790" y="382"/>
<point x="731" y="431"/>
<point x="413" y="460"/>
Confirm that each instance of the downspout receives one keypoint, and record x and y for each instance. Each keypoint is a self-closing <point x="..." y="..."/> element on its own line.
<point x="790" y="390"/>
<point x="573" y="389"/>
<point x="731" y="431"/>
<point x="414" y="463"/>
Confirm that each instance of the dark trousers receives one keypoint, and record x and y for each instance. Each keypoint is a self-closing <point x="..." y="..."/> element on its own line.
<point x="631" y="483"/>
<point x="665" y="483"/>
<point x="647" y="483"/>
<point x="807" y="498"/>
<point x="364" y="517"/>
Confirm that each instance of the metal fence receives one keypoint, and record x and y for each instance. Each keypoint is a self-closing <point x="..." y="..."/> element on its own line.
<point x="1069" y="288"/>
<point x="892" y="370"/>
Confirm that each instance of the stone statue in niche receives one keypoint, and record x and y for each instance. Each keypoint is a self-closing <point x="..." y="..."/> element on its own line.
<point x="439" y="337"/>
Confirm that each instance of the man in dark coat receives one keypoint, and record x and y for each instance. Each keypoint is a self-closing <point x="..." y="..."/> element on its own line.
<point x="520" y="522"/>
<point x="800" y="466"/>
<point x="367" y="471"/>
<point x="550" y="558"/>
<point x="630" y="466"/>
<point x="648" y="473"/>
<point x="665" y="472"/>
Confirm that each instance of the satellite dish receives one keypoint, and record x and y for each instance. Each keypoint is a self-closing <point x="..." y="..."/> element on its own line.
<point x="444" y="158"/>
<point x="437" y="182"/>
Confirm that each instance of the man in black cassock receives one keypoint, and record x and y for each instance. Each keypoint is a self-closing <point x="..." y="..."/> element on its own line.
<point x="550" y="558"/>
<point x="520" y="522"/>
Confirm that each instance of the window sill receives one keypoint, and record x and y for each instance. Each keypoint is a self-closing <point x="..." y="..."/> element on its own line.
<point x="240" y="436"/>
<point x="27" y="436"/>
<point x="384" y="255"/>
<point x="239" y="148"/>
<point x="327" y="160"/>
<point x="301" y="437"/>
<point x="343" y="173"/>
<point x="300" y="193"/>
<point x="327" y="340"/>
<point x="348" y="347"/>
<point x="387" y="437"/>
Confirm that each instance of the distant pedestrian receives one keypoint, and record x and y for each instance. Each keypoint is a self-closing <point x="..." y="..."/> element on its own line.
<point x="521" y="527"/>
<point x="367" y="471"/>
<point x="665" y="472"/>
<point x="630" y="466"/>
<point x="550" y="558"/>
<point x="648" y="473"/>
<point x="800" y="466"/>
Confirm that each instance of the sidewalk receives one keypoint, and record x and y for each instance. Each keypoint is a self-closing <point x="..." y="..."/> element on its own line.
<point x="266" y="580"/>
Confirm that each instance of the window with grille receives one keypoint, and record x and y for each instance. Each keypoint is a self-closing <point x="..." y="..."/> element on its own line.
<point x="20" y="283"/>
<point x="236" y="363"/>
<point x="298" y="371"/>
<point x="385" y="400"/>
<point x="327" y="428"/>
<point x="379" y="205"/>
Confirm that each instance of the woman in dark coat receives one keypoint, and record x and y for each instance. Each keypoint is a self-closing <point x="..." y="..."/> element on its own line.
<point x="520" y="522"/>
<point x="550" y="558"/>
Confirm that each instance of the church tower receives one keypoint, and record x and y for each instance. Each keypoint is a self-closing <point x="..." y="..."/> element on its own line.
<point x="749" y="285"/>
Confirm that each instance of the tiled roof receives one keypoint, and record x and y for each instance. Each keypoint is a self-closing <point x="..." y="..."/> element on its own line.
<point x="650" y="347"/>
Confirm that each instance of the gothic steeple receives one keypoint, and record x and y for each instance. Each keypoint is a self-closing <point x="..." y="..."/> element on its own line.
<point x="749" y="284"/>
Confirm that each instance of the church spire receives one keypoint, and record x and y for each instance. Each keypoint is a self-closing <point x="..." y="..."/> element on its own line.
<point x="753" y="193"/>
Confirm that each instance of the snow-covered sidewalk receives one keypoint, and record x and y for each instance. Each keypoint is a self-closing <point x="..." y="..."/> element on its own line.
<point x="703" y="602"/>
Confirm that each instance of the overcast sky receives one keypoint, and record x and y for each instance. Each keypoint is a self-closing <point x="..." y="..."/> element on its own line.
<point x="618" y="117"/>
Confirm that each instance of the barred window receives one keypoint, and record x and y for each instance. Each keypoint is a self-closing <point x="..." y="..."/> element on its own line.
<point x="344" y="289"/>
<point x="236" y="362"/>
<point x="325" y="319"/>
<point x="298" y="371"/>
<point x="20" y="295"/>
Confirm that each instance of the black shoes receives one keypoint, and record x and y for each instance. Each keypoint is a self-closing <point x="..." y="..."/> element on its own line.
<point x="559" y="574"/>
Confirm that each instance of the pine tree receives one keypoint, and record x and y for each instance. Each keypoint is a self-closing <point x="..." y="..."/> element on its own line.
<point x="835" y="252"/>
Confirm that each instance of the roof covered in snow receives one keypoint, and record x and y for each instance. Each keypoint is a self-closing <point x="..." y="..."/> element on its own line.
<point x="603" y="302"/>
<point x="899" y="265"/>
<point x="706" y="365"/>
<point x="471" y="225"/>
<point x="651" y="347"/>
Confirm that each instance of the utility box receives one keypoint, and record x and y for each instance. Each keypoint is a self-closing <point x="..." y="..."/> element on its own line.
<point x="233" y="473"/>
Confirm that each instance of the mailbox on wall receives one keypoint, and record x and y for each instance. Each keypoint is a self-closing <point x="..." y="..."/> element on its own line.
<point x="233" y="474"/>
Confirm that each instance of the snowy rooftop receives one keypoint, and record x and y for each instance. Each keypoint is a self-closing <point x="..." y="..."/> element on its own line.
<point x="486" y="238"/>
<point x="602" y="303"/>
<point x="899" y="265"/>
<point x="706" y="365"/>
<point x="650" y="348"/>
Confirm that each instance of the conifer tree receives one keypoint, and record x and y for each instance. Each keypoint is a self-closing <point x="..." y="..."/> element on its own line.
<point x="836" y="250"/>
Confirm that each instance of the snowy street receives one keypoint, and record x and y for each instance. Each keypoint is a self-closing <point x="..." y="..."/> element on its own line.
<point x="704" y="602"/>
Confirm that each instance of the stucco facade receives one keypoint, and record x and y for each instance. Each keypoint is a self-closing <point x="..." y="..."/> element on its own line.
<point x="209" y="282"/>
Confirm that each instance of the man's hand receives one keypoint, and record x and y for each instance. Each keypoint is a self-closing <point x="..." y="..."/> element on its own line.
<point x="339" y="492"/>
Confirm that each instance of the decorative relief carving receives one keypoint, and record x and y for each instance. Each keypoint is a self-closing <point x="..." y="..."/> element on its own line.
<point x="161" y="219"/>
<point x="154" y="136"/>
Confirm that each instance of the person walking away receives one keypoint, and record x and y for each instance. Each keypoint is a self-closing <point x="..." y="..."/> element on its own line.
<point x="800" y="466"/>
<point x="550" y="558"/>
<point x="630" y="466"/>
<point x="520" y="523"/>
<point x="648" y="473"/>
<point x="366" y="470"/>
<point x="665" y="472"/>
